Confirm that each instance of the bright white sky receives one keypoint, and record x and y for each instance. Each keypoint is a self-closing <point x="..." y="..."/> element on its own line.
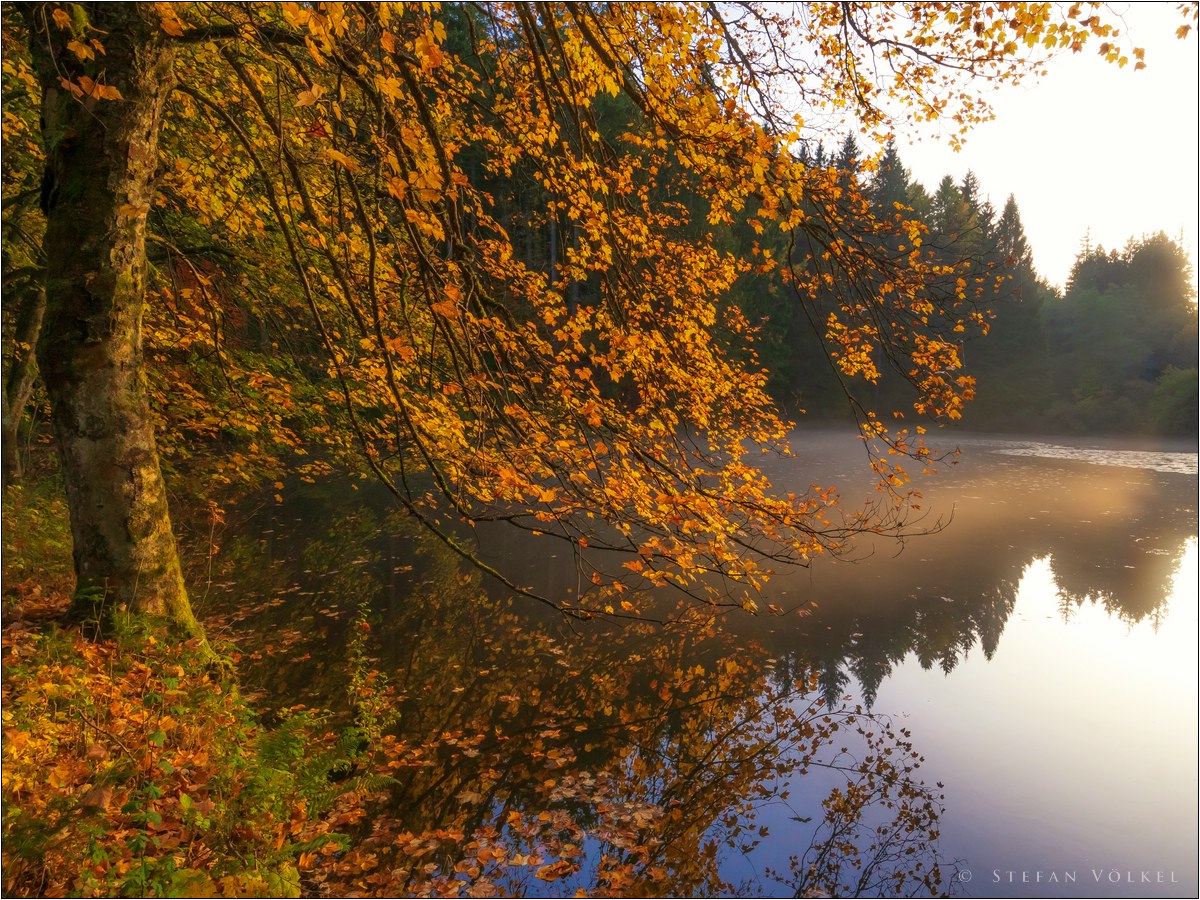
<point x="1090" y="146"/>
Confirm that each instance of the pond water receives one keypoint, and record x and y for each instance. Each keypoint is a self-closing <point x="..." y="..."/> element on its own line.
<point x="1037" y="657"/>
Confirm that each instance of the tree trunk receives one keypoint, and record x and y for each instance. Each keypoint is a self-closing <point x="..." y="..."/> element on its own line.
<point x="18" y="386"/>
<point x="101" y="157"/>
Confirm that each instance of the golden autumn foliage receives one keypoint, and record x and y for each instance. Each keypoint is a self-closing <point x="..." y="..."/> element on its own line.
<point x="363" y="147"/>
<point x="477" y="247"/>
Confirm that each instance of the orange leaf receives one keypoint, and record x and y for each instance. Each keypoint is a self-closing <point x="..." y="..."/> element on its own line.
<point x="310" y="96"/>
<point x="555" y="870"/>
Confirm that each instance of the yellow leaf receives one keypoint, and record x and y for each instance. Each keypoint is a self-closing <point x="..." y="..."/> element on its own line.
<point x="341" y="159"/>
<point x="82" y="51"/>
<point x="428" y="51"/>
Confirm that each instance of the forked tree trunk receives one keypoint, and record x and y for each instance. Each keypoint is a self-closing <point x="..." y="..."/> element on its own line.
<point x="101" y="157"/>
<point x="18" y="386"/>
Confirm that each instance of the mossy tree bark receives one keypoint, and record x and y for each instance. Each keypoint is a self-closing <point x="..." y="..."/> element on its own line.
<point x="101" y="158"/>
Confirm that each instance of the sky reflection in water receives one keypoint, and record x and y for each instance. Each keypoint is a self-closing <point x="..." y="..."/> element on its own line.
<point x="1043" y="652"/>
<point x="1073" y="750"/>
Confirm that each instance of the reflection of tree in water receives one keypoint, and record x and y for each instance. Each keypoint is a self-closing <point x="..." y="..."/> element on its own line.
<point x="940" y="630"/>
<point x="856" y="638"/>
<point x="534" y="758"/>
<point x="990" y="615"/>
<point x="1130" y="579"/>
<point x="287" y="587"/>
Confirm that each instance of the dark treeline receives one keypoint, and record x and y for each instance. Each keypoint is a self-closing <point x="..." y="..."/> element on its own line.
<point x="1115" y="353"/>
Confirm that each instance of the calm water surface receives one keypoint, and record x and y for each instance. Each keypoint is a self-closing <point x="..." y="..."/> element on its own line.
<point x="1050" y="672"/>
<point x="1039" y="653"/>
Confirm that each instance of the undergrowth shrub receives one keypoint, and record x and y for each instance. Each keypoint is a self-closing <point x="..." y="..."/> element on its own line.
<point x="36" y="540"/>
<point x="131" y="769"/>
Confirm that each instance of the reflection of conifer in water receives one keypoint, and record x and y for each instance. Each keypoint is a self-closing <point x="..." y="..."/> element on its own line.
<point x="991" y="614"/>
<point x="788" y="669"/>
<point x="833" y="681"/>
<point x="939" y="637"/>
<point x="870" y="674"/>
<point x="1066" y="604"/>
<point x="1128" y="580"/>
<point x="939" y="630"/>
<point x="876" y="652"/>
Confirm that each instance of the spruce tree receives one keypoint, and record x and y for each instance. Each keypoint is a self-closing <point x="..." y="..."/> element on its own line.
<point x="889" y="185"/>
